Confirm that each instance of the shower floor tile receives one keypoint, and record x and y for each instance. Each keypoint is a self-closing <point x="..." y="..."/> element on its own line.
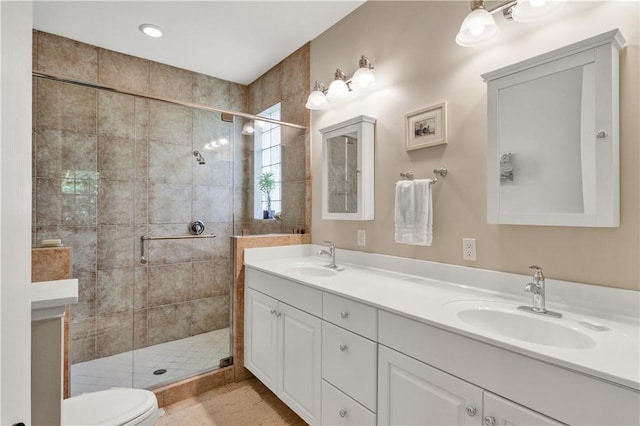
<point x="181" y="358"/>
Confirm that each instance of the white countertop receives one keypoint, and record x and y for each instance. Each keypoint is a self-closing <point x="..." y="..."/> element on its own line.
<point x="49" y="299"/>
<point x="423" y="291"/>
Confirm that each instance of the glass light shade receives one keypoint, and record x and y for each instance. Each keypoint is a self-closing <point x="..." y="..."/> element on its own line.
<point x="363" y="77"/>
<point x="338" y="89"/>
<point x="248" y="128"/>
<point x="533" y="10"/>
<point x="478" y="27"/>
<point x="316" y="100"/>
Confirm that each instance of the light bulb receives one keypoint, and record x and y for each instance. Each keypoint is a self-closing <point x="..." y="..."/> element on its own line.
<point x="338" y="89"/>
<point x="533" y="10"/>
<point x="476" y="30"/>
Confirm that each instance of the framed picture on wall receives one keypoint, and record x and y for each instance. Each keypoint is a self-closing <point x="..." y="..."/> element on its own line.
<point x="426" y="127"/>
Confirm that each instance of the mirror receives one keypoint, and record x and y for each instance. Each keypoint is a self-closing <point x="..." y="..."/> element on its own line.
<point x="553" y="137"/>
<point x="347" y="170"/>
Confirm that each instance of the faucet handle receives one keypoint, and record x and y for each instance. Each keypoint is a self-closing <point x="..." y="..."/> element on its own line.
<point x="538" y="272"/>
<point x="331" y="243"/>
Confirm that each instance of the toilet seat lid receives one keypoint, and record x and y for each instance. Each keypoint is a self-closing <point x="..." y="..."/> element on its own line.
<point x="117" y="406"/>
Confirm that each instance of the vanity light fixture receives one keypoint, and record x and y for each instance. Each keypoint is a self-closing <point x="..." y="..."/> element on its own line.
<point x="479" y="25"/>
<point x="151" y="30"/>
<point x="341" y="86"/>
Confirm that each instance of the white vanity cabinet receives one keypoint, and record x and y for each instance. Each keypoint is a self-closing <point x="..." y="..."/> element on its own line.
<point x="538" y="392"/>
<point x="338" y="361"/>
<point x="283" y="343"/>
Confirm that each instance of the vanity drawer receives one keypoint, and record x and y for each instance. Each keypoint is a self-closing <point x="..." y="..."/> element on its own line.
<point x="349" y="362"/>
<point x="354" y="316"/>
<point x="297" y="295"/>
<point x="339" y="409"/>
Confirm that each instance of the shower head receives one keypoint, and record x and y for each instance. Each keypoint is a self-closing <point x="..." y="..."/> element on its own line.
<point x="199" y="157"/>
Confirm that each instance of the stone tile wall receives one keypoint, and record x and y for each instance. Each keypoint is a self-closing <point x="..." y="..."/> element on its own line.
<point x="288" y="83"/>
<point x="109" y="168"/>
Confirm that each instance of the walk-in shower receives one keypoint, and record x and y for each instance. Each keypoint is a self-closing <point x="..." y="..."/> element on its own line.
<point x="114" y="175"/>
<point x="127" y="154"/>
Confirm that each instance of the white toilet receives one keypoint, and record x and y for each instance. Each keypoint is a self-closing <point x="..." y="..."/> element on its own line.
<point x="112" y="407"/>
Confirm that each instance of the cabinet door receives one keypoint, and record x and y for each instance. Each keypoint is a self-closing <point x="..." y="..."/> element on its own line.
<point x="299" y="384"/>
<point x="501" y="412"/>
<point x="261" y="337"/>
<point x="413" y="393"/>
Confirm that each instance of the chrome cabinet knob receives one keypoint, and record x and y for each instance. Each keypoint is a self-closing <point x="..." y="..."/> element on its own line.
<point x="602" y="134"/>
<point x="342" y="413"/>
<point x="343" y="348"/>
<point x="278" y="314"/>
<point x="344" y="314"/>
<point x="489" y="421"/>
<point x="471" y="410"/>
<point x="273" y="312"/>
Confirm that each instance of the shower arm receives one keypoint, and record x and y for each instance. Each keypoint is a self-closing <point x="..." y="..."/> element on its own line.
<point x="144" y="238"/>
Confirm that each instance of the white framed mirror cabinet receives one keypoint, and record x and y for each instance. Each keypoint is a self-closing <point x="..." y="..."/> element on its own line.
<point x="553" y="137"/>
<point x="348" y="169"/>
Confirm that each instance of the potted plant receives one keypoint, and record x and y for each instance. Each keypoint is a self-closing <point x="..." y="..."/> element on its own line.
<point x="266" y="184"/>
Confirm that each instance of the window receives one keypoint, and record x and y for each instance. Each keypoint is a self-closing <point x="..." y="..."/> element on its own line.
<point x="267" y="151"/>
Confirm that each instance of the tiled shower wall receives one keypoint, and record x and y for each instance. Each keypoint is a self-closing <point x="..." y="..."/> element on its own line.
<point x="287" y="83"/>
<point x="109" y="168"/>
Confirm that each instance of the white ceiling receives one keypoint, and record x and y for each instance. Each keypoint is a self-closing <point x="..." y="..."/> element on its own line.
<point x="232" y="40"/>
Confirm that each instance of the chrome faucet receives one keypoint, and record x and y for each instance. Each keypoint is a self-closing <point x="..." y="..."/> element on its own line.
<point x="332" y="253"/>
<point x="537" y="288"/>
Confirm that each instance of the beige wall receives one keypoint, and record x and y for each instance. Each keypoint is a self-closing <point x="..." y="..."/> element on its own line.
<point x="418" y="64"/>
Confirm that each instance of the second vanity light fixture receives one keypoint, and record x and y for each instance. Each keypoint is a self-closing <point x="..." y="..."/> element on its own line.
<point x="479" y="25"/>
<point x="341" y="86"/>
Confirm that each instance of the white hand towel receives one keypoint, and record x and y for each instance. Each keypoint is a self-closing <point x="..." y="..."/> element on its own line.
<point x="414" y="212"/>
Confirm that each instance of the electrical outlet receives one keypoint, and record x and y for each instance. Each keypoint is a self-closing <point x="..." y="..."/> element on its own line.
<point x="362" y="237"/>
<point x="468" y="249"/>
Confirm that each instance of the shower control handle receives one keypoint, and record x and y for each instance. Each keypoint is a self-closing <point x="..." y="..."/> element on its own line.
<point x="196" y="227"/>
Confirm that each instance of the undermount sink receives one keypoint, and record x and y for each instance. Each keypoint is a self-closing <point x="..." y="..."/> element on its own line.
<point x="505" y="319"/>
<point x="312" y="271"/>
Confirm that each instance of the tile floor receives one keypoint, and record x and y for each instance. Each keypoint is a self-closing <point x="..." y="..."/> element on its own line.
<point x="181" y="358"/>
<point x="244" y="403"/>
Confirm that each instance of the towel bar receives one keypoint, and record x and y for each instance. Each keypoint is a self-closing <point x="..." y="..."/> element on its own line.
<point x="440" y="171"/>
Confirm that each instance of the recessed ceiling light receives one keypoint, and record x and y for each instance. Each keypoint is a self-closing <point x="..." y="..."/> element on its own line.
<point x="151" y="30"/>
